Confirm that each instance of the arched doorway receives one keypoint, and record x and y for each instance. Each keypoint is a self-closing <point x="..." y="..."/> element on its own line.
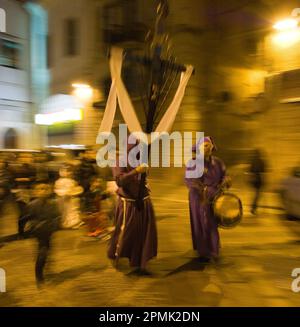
<point x="10" y="139"/>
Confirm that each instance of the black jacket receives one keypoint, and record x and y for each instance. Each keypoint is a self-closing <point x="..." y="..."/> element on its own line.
<point x="44" y="216"/>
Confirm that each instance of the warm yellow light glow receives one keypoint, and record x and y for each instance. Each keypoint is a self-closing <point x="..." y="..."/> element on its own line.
<point x="286" y="39"/>
<point x="81" y="86"/>
<point x="286" y="24"/>
<point x="82" y="91"/>
<point x="58" y="117"/>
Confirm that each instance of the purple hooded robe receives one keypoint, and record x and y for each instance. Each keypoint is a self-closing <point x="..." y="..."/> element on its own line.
<point x="135" y="235"/>
<point x="204" y="226"/>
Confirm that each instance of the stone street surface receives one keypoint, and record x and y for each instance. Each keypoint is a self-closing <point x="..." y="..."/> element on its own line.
<point x="257" y="259"/>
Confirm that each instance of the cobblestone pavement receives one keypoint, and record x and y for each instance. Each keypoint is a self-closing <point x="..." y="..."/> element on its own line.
<point x="255" y="267"/>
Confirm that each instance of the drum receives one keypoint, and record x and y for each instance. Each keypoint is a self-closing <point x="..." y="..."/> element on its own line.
<point x="228" y="210"/>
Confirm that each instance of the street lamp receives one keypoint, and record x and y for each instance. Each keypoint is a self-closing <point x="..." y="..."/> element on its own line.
<point x="83" y="92"/>
<point x="286" y="24"/>
<point x="288" y="32"/>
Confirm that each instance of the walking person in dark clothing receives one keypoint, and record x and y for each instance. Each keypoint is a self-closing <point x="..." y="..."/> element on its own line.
<point x="5" y="187"/>
<point x="86" y="173"/>
<point x="24" y="177"/>
<point x="44" y="215"/>
<point x="5" y="183"/>
<point x="257" y="170"/>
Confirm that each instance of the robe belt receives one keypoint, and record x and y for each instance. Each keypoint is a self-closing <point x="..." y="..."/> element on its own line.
<point x="132" y="200"/>
<point x="124" y="200"/>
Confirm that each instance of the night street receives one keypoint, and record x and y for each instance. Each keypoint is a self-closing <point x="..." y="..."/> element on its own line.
<point x="149" y="158"/>
<point x="257" y="259"/>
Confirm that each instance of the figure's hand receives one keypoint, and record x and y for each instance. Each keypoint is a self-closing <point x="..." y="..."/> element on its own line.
<point x="143" y="168"/>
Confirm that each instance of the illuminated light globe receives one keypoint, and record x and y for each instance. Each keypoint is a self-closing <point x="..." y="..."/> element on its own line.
<point x="286" y="24"/>
<point x="83" y="92"/>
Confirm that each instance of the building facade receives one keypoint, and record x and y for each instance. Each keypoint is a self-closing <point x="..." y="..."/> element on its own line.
<point x="233" y="95"/>
<point x="77" y="64"/>
<point x="22" y="59"/>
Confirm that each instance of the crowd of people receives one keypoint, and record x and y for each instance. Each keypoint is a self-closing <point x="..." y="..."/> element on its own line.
<point x="53" y="191"/>
<point x="76" y="182"/>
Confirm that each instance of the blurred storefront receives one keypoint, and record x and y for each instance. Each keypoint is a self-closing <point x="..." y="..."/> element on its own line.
<point x="59" y="115"/>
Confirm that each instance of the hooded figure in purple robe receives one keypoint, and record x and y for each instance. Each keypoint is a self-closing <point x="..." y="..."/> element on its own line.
<point x="202" y="192"/>
<point x="135" y="235"/>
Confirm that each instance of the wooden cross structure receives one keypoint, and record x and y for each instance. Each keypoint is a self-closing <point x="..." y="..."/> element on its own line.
<point x="159" y="68"/>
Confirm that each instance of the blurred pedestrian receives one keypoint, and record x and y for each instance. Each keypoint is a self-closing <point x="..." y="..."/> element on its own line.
<point x="68" y="192"/>
<point x="95" y="218"/>
<point x="41" y="167"/>
<point x="257" y="170"/>
<point x="24" y="177"/>
<point x="86" y="173"/>
<point x="6" y="182"/>
<point x="202" y="192"/>
<point x="106" y="174"/>
<point x="44" y="218"/>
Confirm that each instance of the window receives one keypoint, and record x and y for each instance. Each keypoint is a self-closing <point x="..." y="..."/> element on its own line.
<point x="10" y="54"/>
<point x="71" y="39"/>
<point x="10" y="139"/>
